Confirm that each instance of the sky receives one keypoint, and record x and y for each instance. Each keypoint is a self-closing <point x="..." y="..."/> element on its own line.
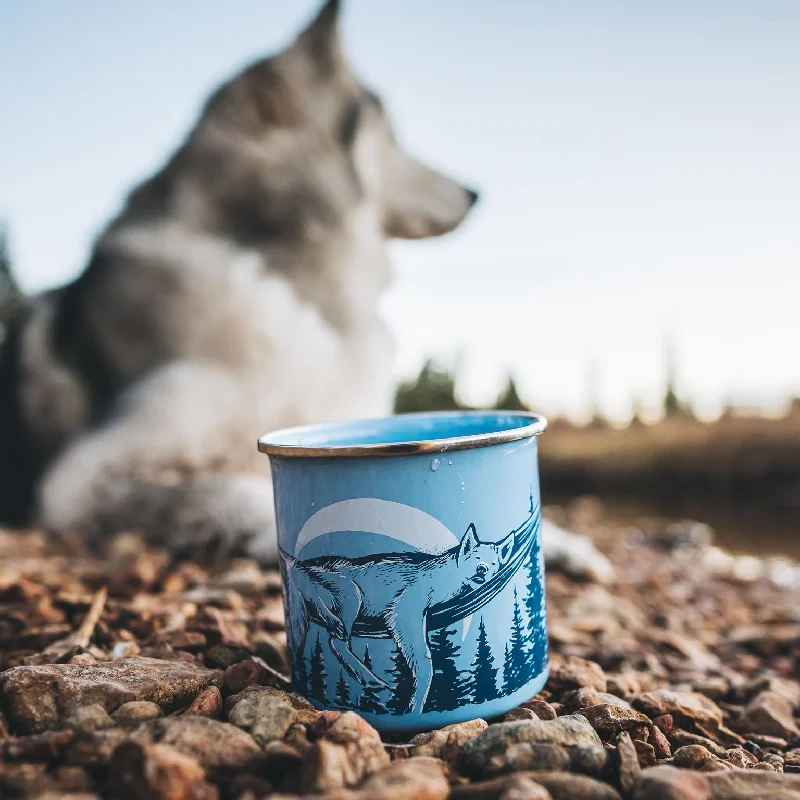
<point x="638" y="162"/>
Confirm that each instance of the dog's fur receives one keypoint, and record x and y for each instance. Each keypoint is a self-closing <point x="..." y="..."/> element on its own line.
<point x="398" y="588"/>
<point x="236" y="292"/>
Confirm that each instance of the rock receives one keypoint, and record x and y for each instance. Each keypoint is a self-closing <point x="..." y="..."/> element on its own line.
<point x="564" y="786"/>
<point x="680" y="738"/>
<point x="38" y="747"/>
<point x="136" y="711"/>
<point x="158" y="772"/>
<point x="446" y="742"/>
<point x="34" y="698"/>
<point x="628" y="762"/>
<point x="486" y="754"/>
<point x="350" y="751"/>
<point x="213" y="744"/>
<point x="753" y="784"/>
<point x="771" y="713"/>
<point x="608" y="718"/>
<point x="681" y="705"/>
<point x="417" y="779"/>
<point x="670" y="783"/>
<point x="95" y="749"/>
<point x="646" y="753"/>
<point x="250" y="672"/>
<point x="586" y="698"/>
<point x="541" y="708"/>
<point x="576" y="673"/>
<point x="695" y="756"/>
<point x="88" y="719"/>
<point x="265" y="716"/>
<point x="660" y="743"/>
<point x="306" y="713"/>
<point x="207" y="704"/>
<point x="519" y="713"/>
<point x="740" y="758"/>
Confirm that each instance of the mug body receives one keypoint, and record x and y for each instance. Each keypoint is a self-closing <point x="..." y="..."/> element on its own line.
<point x="410" y="549"/>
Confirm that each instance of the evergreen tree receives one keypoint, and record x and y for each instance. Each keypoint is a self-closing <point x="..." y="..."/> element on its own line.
<point x="518" y="656"/>
<point x="448" y="688"/>
<point x="537" y="614"/>
<point x="403" y="680"/>
<point x="483" y="678"/>
<point x="370" y="699"/>
<point x="509" y="398"/>
<point x="300" y="674"/>
<point x="342" y="691"/>
<point x="508" y="672"/>
<point x="318" y="685"/>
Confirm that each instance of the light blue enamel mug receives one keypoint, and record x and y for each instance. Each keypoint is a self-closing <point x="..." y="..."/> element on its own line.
<point x="410" y="549"/>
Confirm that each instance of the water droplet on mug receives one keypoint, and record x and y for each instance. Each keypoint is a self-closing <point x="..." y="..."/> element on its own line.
<point x="435" y="464"/>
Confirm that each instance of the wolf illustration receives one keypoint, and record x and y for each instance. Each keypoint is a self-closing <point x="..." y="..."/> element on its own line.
<point x="398" y="589"/>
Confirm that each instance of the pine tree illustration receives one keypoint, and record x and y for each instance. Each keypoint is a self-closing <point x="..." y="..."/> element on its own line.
<point x="483" y="678"/>
<point x="508" y="672"/>
<point x="517" y="654"/>
<point x="403" y="681"/>
<point x="448" y="688"/>
<point x="537" y="613"/>
<point x="342" y="691"/>
<point x="317" y="683"/>
<point x="370" y="699"/>
<point x="300" y="674"/>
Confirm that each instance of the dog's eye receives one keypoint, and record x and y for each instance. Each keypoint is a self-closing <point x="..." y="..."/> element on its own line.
<point x="350" y="123"/>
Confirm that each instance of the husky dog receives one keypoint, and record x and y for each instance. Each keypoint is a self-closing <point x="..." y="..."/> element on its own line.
<point x="398" y="589"/>
<point x="236" y="291"/>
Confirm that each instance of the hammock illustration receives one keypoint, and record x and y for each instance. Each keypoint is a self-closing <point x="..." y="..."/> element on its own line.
<point x="443" y="615"/>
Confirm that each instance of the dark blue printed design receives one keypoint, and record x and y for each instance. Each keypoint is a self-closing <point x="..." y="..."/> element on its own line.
<point x="436" y="657"/>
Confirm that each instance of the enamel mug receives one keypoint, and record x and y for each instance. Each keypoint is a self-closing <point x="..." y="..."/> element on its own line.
<point x="413" y="576"/>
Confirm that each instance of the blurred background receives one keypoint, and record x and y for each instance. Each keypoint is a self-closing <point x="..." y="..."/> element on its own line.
<point x="632" y="270"/>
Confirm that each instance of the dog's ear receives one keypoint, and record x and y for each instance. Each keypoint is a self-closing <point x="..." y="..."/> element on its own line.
<point x="504" y="548"/>
<point x="320" y="41"/>
<point x="469" y="541"/>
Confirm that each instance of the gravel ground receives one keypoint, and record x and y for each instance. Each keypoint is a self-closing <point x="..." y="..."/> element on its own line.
<point x="128" y="675"/>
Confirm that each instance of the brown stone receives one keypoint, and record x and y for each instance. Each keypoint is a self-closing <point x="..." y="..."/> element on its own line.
<point x="37" y="747"/>
<point x="207" y="704"/>
<point x="446" y="742"/>
<point x="660" y="743"/>
<point x="771" y="714"/>
<point x="575" y="673"/>
<point x="628" y="761"/>
<point x="158" y="772"/>
<point x="670" y="783"/>
<point x="697" y="757"/>
<point x="541" y="708"/>
<point x="34" y="698"/>
<point x="210" y="742"/>
<point x="683" y="705"/>
<point x="608" y="718"/>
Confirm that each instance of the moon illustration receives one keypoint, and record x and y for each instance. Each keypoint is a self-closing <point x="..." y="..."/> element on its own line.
<point x="386" y="518"/>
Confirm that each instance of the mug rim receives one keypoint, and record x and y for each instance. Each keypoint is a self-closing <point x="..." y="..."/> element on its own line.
<point x="534" y="424"/>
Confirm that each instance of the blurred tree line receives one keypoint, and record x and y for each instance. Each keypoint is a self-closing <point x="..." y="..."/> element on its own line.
<point x="434" y="389"/>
